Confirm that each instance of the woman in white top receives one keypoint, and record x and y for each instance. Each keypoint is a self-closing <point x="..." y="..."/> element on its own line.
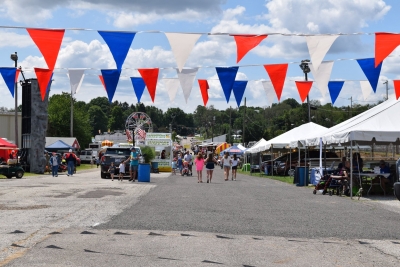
<point x="226" y="162"/>
<point x="235" y="162"/>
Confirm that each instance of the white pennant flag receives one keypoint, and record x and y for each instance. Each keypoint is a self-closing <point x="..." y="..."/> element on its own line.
<point x="270" y="91"/>
<point x="172" y="85"/>
<point x="182" y="44"/>
<point x="322" y="75"/>
<point x="75" y="79"/>
<point x="366" y="89"/>
<point x="186" y="78"/>
<point x="318" y="46"/>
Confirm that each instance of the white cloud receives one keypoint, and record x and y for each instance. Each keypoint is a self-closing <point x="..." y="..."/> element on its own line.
<point x="9" y="38"/>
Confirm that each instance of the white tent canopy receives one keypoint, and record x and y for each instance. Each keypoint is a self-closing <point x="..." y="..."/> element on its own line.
<point x="378" y="125"/>
<point x="257" y="147"/>
<point x="298" y="133"/>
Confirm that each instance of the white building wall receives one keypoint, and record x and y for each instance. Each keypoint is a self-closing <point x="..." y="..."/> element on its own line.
<point x="7" y="126"/>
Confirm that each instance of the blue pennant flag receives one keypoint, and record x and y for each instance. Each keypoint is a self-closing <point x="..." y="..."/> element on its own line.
<point x="49" y="85"/>
<point x="138" y="86"/>
<point x="238" y="90"/>
<point x="111" y="78"/>
<point x="227" y="78"/>
<point x="9" y="78"/>
<point x="368" y="67"/>
<point x="334" y="89"/>
<point x="119" y="44"/>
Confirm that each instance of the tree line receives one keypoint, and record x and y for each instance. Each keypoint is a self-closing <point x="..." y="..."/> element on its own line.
<point x="99" y="115"/>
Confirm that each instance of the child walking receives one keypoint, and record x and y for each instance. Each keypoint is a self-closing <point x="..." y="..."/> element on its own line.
<point x="174" y="166"/>
<point x="199" y="161"/>
<point x="111" y="170"/>
<point x="121" y="171"/>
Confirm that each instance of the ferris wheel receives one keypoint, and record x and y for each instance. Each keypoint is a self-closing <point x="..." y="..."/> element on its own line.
<point x="137" y="124"/>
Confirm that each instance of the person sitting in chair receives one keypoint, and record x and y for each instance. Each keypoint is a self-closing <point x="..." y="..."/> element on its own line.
<point x="385" y="181"/>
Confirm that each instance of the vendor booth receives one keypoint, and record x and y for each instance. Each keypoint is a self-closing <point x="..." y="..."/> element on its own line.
<point x="162" y="144"/>
<point x="7" y="149"/>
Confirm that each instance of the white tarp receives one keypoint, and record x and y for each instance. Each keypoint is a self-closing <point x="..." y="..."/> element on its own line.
<point x="376" y="125"/>
<point x="298" y="133"/>
<point x="257" y="147"/>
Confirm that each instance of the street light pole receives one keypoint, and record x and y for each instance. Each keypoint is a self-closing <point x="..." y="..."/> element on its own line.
<point x="387" y="89"/>
<point x="14" y="57"/>
<point x="72" y="116"/>
<point x="306" y="69"/>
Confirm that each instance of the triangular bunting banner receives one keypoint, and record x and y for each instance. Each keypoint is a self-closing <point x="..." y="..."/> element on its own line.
<point x="17" y="75"/>
<point x="49" y="43"/>
<point x="9" y="75"/>
<point x="43" y="76"/>
<point x="182" y="45"/>
<point x="322" y="75"/>
<point x="186" y="78"/>
<point x="102" y="82"/>
<point x="365" y="89"/>
<point x="111" y="78"/>
<point x="269" y="90"/>
<point x="172" y="85"/>
<point x="334" y="89"/>
<point x="318" y="46"/>
<point x="304" y="88"/>
<point x="203" y="84"/>
<point x="396" y="84"/>
<point x="75" y="79"/>
<point x="49" y="84"/>
<point x="238" y="90"/>
<point x="138" y="87"/>
<point x="245" y="43"/>
<point x="385" y="43"/>
<point x="150" y="77"/>
<point x="372" y="73"/>
<point x="119" y="44"/>
<point x="277" y="74"/>
<point x="227" y="77"/>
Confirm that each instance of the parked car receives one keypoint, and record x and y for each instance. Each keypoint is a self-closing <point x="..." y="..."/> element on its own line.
<point x="116" y="155"/>
<point x="286" y="162"/>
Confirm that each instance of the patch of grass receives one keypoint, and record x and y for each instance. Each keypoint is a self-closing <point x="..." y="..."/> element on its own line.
<point x="285" y="179"/>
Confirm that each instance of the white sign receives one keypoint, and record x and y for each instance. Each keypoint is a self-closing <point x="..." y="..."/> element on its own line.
<point x="158" y="136"/>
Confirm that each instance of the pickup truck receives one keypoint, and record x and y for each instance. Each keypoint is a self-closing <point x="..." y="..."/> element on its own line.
<point x="116" y="155"/>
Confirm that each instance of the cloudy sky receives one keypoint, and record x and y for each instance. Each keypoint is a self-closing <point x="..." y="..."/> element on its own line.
<point x="150" y="48"/>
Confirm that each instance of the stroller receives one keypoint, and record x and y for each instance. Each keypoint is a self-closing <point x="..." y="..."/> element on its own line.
<point x="186" y="170"/>
<point x="330" y="185"/>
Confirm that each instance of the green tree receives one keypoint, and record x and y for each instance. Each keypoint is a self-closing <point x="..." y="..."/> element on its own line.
<point x="97" y="119"/>
<point x="117" y="119"/>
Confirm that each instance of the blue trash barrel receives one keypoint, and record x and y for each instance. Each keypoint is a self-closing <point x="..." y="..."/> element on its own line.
<point x="144" y="172"/>
<point x="303" y="175"/>
<point x="154" y="165"/>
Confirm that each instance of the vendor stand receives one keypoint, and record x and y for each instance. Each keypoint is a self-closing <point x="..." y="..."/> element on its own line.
<point x="160" y="142"/>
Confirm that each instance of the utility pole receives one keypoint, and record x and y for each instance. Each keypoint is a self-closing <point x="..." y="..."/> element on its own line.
<point x="244" y="123"/>
<point x="387" y="89"/>
<point x="230" y="122"/>
<point x="306" y="69"/>
<point x="351" y="106"/>
<point x="14" y="57"/>
<point x="72" y="115"/>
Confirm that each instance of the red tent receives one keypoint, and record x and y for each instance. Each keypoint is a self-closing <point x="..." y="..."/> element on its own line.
<point x="6" y="148"/>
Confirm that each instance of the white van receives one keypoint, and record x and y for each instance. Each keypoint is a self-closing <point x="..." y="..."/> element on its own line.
<point x="86" y="155"/>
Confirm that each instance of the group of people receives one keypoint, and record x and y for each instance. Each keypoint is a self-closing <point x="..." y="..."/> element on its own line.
<point x="208" y="162"/>
<point x="55" y="161"/>
<point x="133" y="167"/>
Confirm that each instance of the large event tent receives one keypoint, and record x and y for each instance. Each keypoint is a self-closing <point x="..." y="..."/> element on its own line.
<point x="257" y="147"/>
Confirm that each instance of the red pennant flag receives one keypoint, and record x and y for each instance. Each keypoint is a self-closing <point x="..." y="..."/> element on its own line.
<point x="304" y="88"/>
<point x="43" y="76"/>
<point x="203" y="84"/>
<point x="277" y="74"/>
<point x="396" y="84"/>
<point x="17" y="75"/>
<point x="49" y="43"/>
<point x="102" y="82"/>
<point x="245" y="43"/>
<point x="150" y="77"/>
<point x="385" y="43"/>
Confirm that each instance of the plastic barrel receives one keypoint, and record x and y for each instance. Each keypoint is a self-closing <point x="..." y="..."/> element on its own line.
<point x="154" y="165"/>
<point x="144" y="172"/>
<point x="303" y="176"/>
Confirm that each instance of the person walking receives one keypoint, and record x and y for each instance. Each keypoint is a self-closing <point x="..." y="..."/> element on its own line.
<point x="199" y="161"/>
<point x="235" y="163"/>
<point x="121" y="171"/>
<point x="111" y="170"/>
<point x="70" y="158"/>
<point x="174" y="166"/>
<point x="180" y="164"/>
<point x="54" y="162"/>
<point x="210" y="164"/>
<point x="188" y="158"/>
<point x="134" y="164"/>
<point x="226" y="162"/>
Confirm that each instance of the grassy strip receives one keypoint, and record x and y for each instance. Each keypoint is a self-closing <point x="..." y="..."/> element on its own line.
<point x="285" y="179"/>
<point x="82" y="167"/>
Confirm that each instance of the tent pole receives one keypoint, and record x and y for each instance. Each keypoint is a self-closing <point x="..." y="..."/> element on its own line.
<point x="272" y="166"/>
<point x="351" y="169"/>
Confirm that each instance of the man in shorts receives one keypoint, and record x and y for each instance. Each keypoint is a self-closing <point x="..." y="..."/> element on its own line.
<point x="134" y="164"/>
<point x="188" y="158"/>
